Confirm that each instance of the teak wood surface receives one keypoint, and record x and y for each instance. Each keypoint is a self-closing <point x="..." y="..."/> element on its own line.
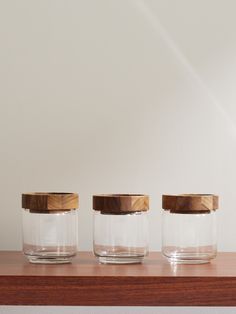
<point x="86" y="282"/>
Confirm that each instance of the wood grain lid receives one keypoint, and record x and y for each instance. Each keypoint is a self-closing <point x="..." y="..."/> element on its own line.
<point x="120" y="203"/>
<point x="190" y="203"/>
<point x="40" y="201"/>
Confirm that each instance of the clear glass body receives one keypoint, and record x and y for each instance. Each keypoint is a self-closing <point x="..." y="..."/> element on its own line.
<point x="50" y="237"/>
<point x="189" y="238"/>
<point x="120" y="239"/>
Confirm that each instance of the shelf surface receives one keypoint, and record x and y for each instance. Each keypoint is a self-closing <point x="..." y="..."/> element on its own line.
<point x="86" y="282"/>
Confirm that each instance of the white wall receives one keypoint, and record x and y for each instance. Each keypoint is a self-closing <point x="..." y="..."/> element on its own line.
<point x="117" y="96"/>
<point x="114" y="310"/>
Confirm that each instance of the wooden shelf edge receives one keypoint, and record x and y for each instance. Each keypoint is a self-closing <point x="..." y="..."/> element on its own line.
<point x="86" y="283"/>
<point x="112" y="291"/>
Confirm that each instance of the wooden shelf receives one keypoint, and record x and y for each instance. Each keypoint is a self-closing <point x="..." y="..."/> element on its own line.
<point x="85" y="282"/>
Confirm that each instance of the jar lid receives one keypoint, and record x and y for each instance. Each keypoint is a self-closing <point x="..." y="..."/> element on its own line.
<point x="190" y="203"/>
<point x="120" y="203"/>
<point x="40" y="201"/>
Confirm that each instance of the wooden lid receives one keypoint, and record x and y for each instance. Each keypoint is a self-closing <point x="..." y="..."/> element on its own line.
<point x="120" y="203"/>
<point x="50" y="201"/>
<point x="190" y="203"/>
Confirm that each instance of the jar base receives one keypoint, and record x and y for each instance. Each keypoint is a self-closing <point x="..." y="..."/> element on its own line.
<point x="48" y="260"/>
<point x="185" y="261"/>
<point x="189" y="258"/>
<point x="120" y="260"/>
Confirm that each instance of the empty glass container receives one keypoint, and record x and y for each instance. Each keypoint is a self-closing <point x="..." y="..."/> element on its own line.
<point x="50" y="227"/>
<point x="189" y="228"/>
<point x="120" y="228"/>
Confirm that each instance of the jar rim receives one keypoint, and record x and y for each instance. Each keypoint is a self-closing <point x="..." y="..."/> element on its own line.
<point x="50" y="201"/>
<point x="120" y="203"/>
<point x="190" y="203"/>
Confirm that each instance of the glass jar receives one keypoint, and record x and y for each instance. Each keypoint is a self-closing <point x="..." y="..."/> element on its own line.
<point x="50" y="227"/>
<point x="189" y="228"/>
<point x="120" y="228"/>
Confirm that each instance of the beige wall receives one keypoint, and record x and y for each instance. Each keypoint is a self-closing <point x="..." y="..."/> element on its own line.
<point x="117" y="96"/>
